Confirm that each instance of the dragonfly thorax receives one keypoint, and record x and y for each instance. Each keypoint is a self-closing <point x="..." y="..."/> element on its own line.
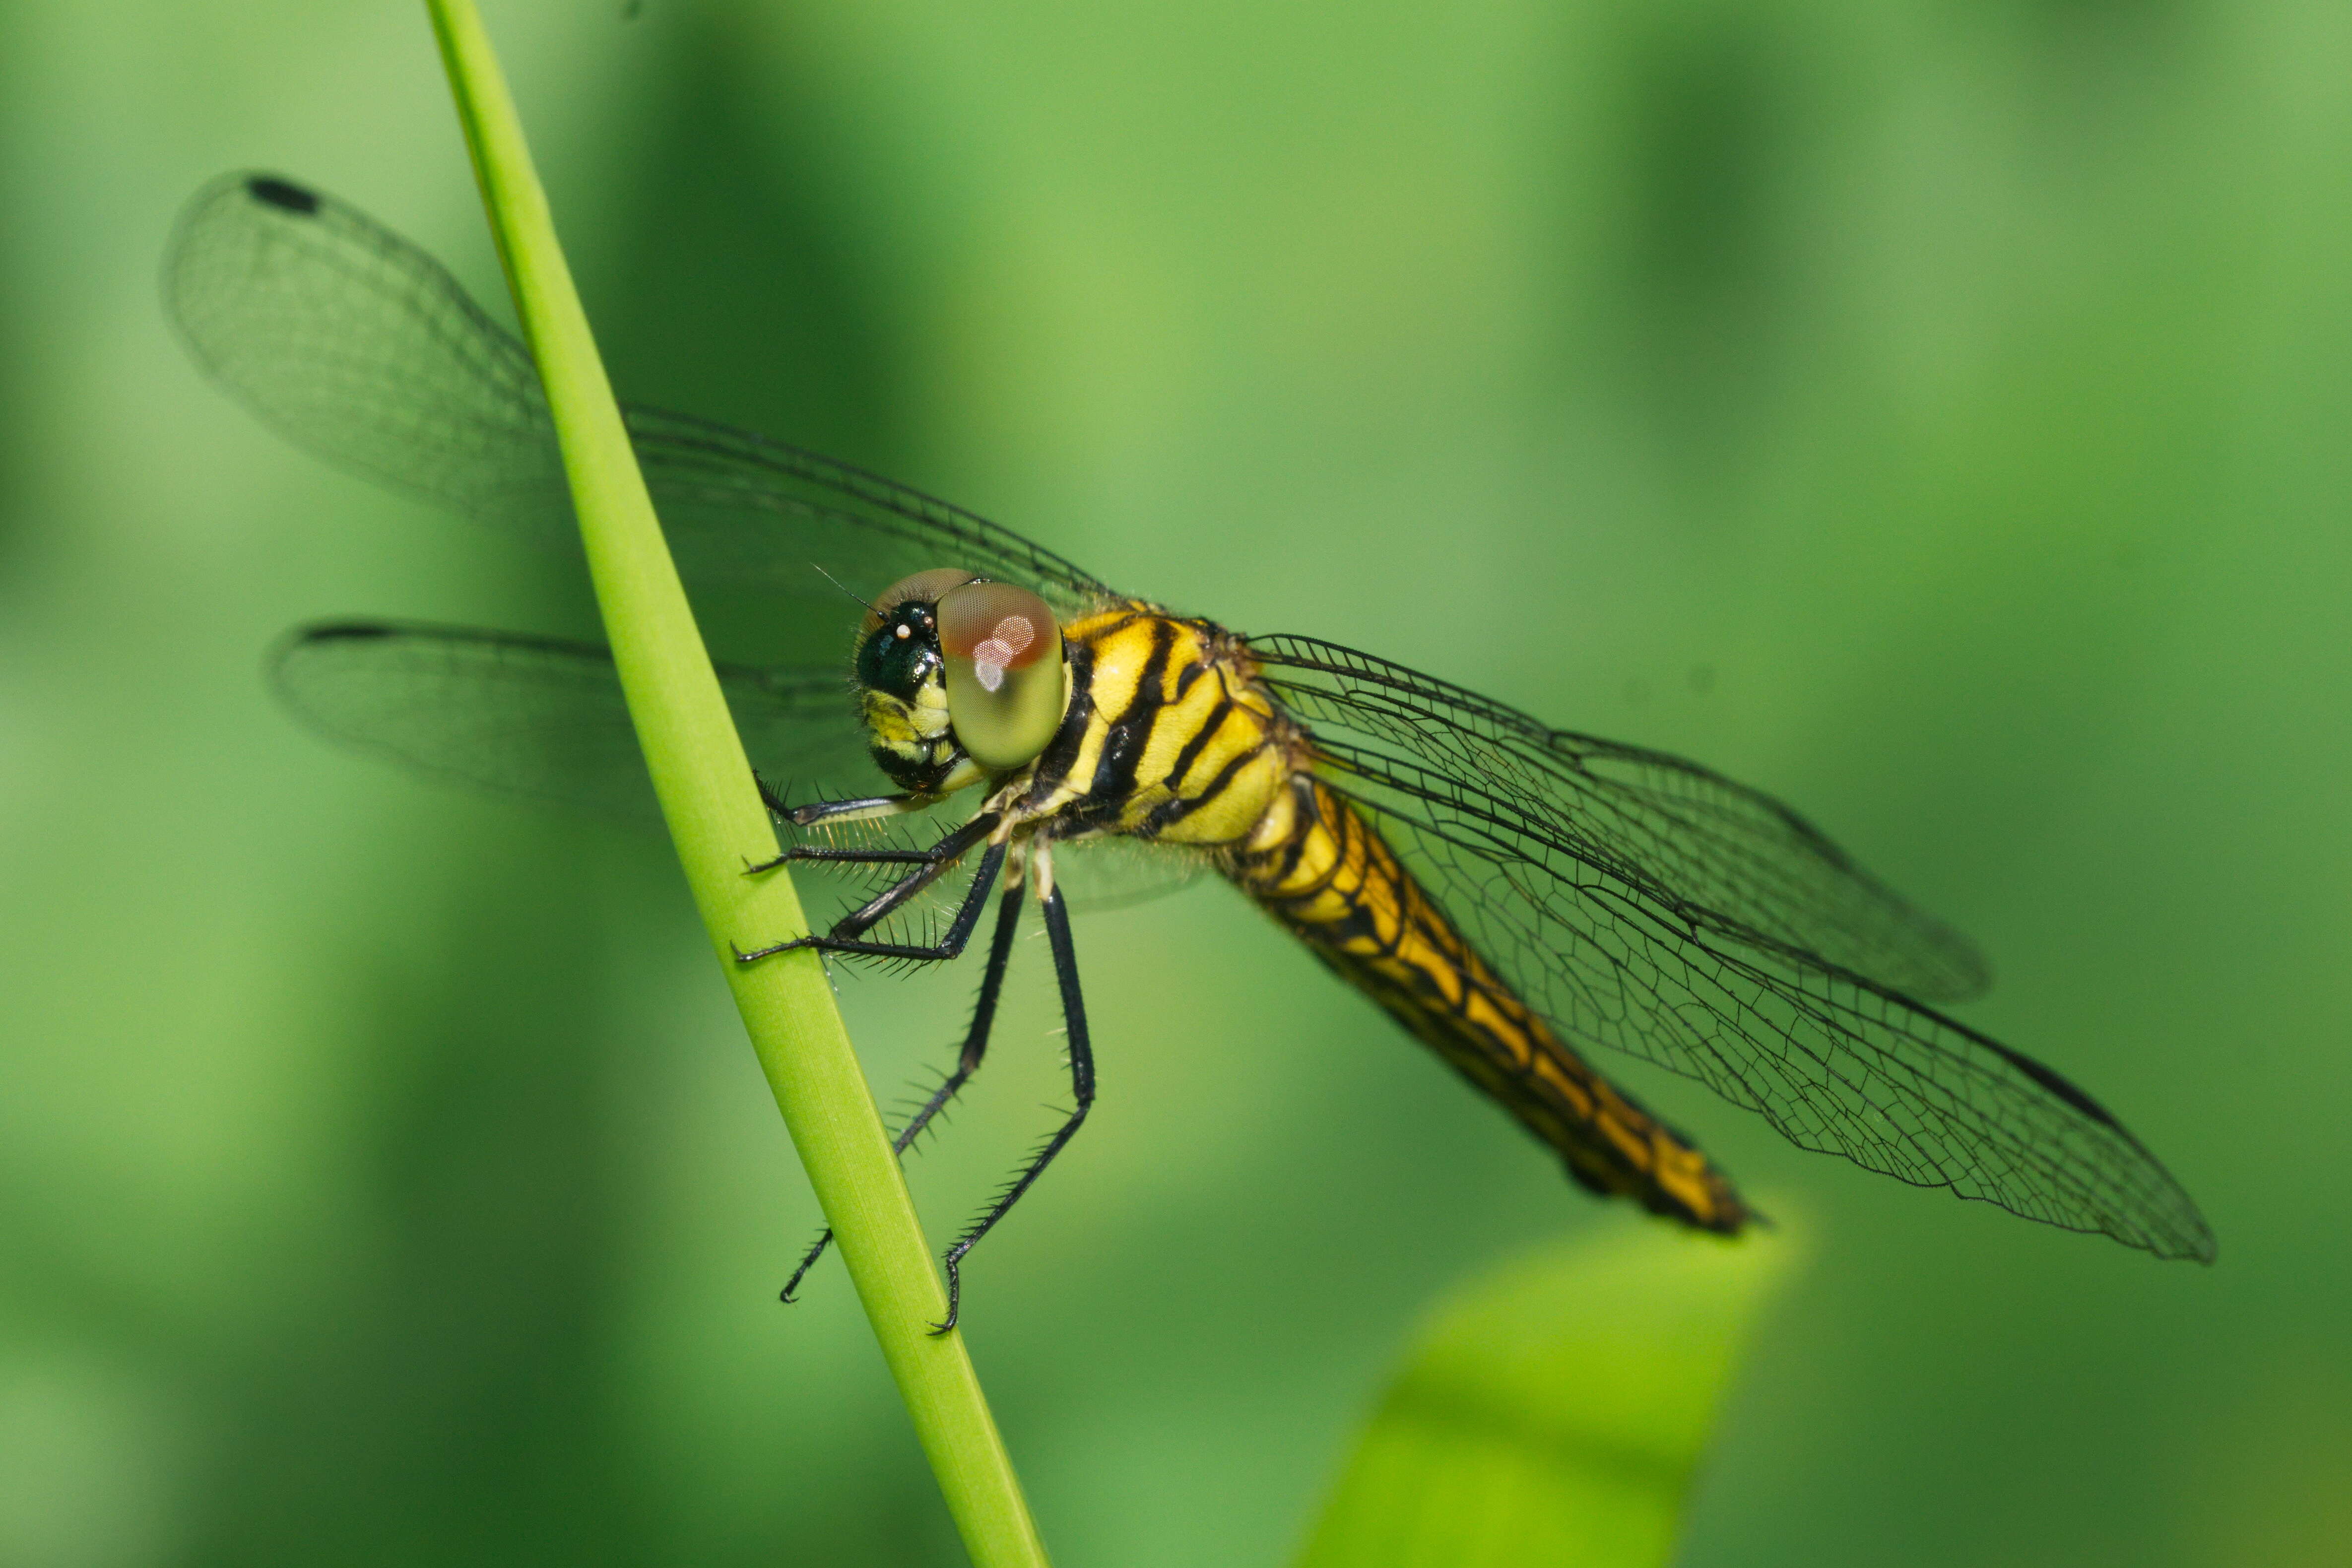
<point x="958" y="677"/>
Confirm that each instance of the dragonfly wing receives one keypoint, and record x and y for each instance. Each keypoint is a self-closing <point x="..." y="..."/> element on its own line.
<point x="543" y="718"/>
<point x="362" y="348"/>
<point x="755" y="515"/>
<point x="1650" y="905"/>
<point x="1118" y="873"/>
<point x="1718" y="851"/>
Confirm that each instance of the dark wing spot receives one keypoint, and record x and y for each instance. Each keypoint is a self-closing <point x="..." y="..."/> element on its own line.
<point x="279" y="193"/>
<point x="349" y="631"/>
<point x="2058" y="1086"/>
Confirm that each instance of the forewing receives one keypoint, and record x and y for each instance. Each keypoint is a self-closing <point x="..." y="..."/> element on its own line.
<point x="1722" y="855"/>
<point x="543" y="718"/>
<point x="1646" y="904"/>
<point x="362" y="348"/>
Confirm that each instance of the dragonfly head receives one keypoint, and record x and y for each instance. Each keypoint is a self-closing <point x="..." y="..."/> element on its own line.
<point x="958" y="678"/>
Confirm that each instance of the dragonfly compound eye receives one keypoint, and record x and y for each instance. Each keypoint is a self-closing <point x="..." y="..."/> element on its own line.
<point x="1006" y="685"/>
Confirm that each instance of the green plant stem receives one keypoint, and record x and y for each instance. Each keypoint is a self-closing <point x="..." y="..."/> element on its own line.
<point x="715" y="816"/>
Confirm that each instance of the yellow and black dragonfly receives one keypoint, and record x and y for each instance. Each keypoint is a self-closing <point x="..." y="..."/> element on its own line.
<point x="1512" y="894"/>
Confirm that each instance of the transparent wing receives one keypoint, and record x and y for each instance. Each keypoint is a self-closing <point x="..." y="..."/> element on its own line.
<point x="1115" y="873"/>
<point x="1648" y="904"/>
<point x="362" y="348"/>
<point x="542" y="717"/>
<point x="1688" y="837"/>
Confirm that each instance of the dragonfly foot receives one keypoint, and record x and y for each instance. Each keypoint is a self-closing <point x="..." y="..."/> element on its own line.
<point x="955" y="1294"/>
<point x="759" y="953"/>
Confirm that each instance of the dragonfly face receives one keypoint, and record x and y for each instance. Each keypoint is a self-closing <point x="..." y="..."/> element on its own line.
<point x="959" y="679"/>
<point x="1512" y="894"/>
<point x="902" y="686"/>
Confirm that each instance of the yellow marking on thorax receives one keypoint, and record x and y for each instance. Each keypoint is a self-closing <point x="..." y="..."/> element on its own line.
<point x="1210" y="736"/>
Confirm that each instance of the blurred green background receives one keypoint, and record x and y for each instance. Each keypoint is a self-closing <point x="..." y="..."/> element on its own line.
<point x="1936" y="414"/>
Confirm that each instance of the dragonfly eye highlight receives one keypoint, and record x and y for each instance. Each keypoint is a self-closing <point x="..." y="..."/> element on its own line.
<point x="1006" y="683"/>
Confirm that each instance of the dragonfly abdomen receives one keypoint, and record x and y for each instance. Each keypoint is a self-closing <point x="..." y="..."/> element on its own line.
<point x="1172" y="737"/>
<point x="1337" y="885"/>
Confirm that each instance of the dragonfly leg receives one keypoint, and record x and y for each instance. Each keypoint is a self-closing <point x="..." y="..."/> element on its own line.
<point x="863" y="808"/>
<point x="803" y="852"/>
<point x="1082" y="1091"/>
<point x="854" y="808"/>
<point x="935" y="863"/>
<point x="950" y="946"/>
<point x="975" y="1045"/>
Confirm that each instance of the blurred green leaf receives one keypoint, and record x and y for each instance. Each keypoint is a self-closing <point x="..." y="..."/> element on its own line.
<point x="1555" y="1411"/>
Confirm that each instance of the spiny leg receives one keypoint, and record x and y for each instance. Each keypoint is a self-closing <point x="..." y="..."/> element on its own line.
<point x="984" y="1016"/>
<point x="937" y="862"/>
<point x="1082" y="1090"/>
<point x="861" y="808"/>
<point x="950" y="946"/>
<point x="975" y="1045"/>
<point x="866" y="808"/>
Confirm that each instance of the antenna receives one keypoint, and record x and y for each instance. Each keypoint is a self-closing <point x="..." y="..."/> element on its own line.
<point x="836" y="583"/>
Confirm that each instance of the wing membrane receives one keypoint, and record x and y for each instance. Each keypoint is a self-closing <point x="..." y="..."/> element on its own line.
<point x="1719" y="852"/>
<point x="1647" y="904"/>
<point x="543" y="718"/>
<point x="362" y="348"/>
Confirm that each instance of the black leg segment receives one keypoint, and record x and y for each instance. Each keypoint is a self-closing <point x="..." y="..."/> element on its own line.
<point x="937" y="861"/>
<point x="950" y="845"/>
<point x="1082" y="1091"/>
<point x="818" y="811"/>
<point x="975" y="1047"/>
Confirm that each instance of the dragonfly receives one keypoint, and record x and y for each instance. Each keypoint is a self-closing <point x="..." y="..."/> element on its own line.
<point x="1514" y="895"/>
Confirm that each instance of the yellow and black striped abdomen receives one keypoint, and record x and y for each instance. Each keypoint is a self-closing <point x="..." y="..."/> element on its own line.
<point x="1171" y="737"/>
<point x="1335" y="882"/>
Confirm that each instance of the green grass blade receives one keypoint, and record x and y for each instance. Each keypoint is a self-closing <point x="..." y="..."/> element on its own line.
<point x="1555" y="1411"/>
<point x="714" y="813"/>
